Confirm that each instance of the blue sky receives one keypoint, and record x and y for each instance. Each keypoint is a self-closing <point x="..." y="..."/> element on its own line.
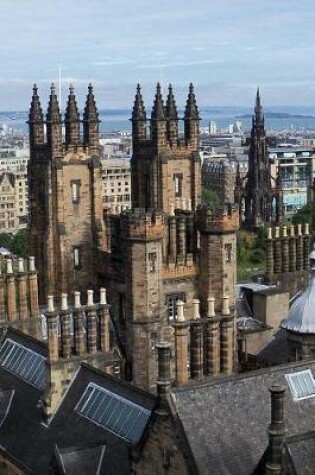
<point x="227" y="48"/>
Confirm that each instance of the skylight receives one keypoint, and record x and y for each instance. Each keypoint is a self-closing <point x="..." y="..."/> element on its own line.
<point x="23" y="362"/>
<point x="302" y="384"/>
<point x="113" y="412"/>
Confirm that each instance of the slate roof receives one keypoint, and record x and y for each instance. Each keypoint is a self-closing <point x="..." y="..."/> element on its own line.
<point x="302" y="454"/>
<point x="69" y="443"/>
<point x="226" y="421"/>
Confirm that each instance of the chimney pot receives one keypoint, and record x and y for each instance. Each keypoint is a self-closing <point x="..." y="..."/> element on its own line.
<point x="196" y="309"/>
<point x="64" y="301"/>
<point x="21" y="264"/>
<point x="103" y="296"/>
<point x="50" y="303"/>
<point x="9" y="266"/>
<point x="90" y="300"/>
<point x="32" y="264"/>
<point x="180" y="311"/>
<point x="77" y="299"/>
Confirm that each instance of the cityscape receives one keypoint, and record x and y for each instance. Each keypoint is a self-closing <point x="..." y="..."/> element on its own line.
<point x="157" y="220"/>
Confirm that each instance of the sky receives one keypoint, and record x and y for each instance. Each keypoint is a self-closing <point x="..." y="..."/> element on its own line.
<point x="225" y="47"/>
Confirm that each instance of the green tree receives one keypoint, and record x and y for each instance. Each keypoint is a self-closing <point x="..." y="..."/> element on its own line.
<point x="19" y="245"/>
<point x="209" y="196"/>
<point x="6" y="240"/>
<point x="303" y="215"/>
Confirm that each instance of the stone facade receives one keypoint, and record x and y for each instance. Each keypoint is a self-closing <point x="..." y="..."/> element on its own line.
<point x="259" y="195"/>
<point x="167" y="249"/>
<point x="65" y="190"/>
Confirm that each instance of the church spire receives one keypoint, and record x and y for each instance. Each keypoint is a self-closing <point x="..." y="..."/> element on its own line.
<point x="258" y="118"/>
<point x="191" y="119"/>
<point x="158" y="123"/>
<point x="72" y="119"/>
<point x="53" y="119"/>
<point x="91" y="122"/>
<point x="172" y="117"/>
<point x="36" y="119"/>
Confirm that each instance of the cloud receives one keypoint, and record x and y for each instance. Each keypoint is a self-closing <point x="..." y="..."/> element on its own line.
<point x="181" y="64"/>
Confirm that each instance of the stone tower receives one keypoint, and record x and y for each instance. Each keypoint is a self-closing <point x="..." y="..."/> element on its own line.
<point x="165" y="167"/>
<point x="258" y="195"/>
<point x="66" y="222"/>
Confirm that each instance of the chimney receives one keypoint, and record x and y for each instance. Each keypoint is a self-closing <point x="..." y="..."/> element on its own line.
<point x="276" y="432"/>
<point x="33" y="286"/>
<point x="52" y="329"/>
<point x="181" y="345"/>
<point x="79" y="343"/>
<point x="212" y="341"/>
<point x="91" y="324"/>
<point x="227" y="338"/>
<point x="11" y="292"/>
<point x="2" y="300"/>
<point x="196" y="347"/>
<point x="23" y="310"/>
<point x="65" y="327"/>
<point x="164" y="372"/>
<point x="104" y="322"/>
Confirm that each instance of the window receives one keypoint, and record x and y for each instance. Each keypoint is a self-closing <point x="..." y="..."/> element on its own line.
<point x="77" y="257"/>
<point x="171" y="302"/>
<point x="228" y="248"/>
<point x="302" y="384"/>
<point x="152" y="262"/>
<point x="75" y="191"/>
<point x="178" y="178"/>
<point x="115" y="413"/>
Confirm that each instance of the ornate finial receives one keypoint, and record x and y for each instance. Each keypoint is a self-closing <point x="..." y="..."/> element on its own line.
<point x="138" y="111"/>
<point x="170" y="109"/>
<point x="90" y="112"/>
<point x="72" y="113"/>
<point x="53" y="113"/>
<point x="258" y="111"/>
<point x="158" y="106"/>
<point x="36" y="113"/>
<point x="71" y="89"/>
<point x="191" y="111"/>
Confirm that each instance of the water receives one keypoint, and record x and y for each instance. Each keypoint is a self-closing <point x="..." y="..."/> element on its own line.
<point x="118" y="119"/>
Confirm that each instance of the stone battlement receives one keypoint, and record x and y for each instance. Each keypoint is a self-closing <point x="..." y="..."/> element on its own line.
<point x="217" y="218"/>
<point x="141" y="224"/>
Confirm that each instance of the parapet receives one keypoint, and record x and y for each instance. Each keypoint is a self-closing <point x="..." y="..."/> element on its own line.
<point x="142" y="225"/>
<point x="217" y="218"/>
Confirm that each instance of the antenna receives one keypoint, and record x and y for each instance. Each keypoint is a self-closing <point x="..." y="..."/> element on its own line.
<point x="59" y="85"/>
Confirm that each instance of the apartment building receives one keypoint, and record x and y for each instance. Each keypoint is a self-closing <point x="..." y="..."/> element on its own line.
<point x="116" y="180"/>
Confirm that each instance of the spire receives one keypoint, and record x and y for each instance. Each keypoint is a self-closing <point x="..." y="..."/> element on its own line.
<point x="72" y="119"/>
<point x="191" y="111"/>
<point x="191" y="120"/>
<point x="158" y="107"/>
<point x="90" y="112"/>
<point x="172" y="118"/>
<point x="258" y="111"/>
<point x="138" y="111"/>
<point x="170" y="109"/>
<point x="36" y="120"/>
<point x="91" y="122"/>
<point x="53" y="113"/>
<point x="36" y="113"/>
<point x="72" y="114"/>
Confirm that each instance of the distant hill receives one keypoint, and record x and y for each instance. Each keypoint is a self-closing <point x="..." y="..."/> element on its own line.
<point x="278" y="115"/>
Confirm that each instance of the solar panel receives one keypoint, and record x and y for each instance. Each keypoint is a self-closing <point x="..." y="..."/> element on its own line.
<point x="23" y="362"/>
<point x="113" y="412"/>
<point x="302" y="384"/>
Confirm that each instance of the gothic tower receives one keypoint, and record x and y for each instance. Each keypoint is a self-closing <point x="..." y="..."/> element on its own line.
<point x="165" y="167"/>
<point x="66" y="221"/>
<point x="258" y="195"/>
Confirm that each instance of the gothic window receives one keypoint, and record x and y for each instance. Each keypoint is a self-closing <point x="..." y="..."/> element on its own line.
<point x="228" y="248"/>
<point x="152" y="262"/>
<point x="178" y="179"/>
<point x="77" y="257"/>
<point x="171" y="303"/>
<point x="75" y="191"/>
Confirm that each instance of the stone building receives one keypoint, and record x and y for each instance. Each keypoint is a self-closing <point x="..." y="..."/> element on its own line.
<point x="168" y="248"/>
<point x="220" y="176"/>
<point x="116" y="178"/>
<point x="9" y="191"/>
<point x="258" y="194"/>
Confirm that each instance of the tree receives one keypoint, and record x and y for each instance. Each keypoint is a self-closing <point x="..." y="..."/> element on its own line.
<point x="6" y="240"/>
<point x="209" y="196"/>
<point x="19" y="245"/>
<point x="303" y="215"/>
